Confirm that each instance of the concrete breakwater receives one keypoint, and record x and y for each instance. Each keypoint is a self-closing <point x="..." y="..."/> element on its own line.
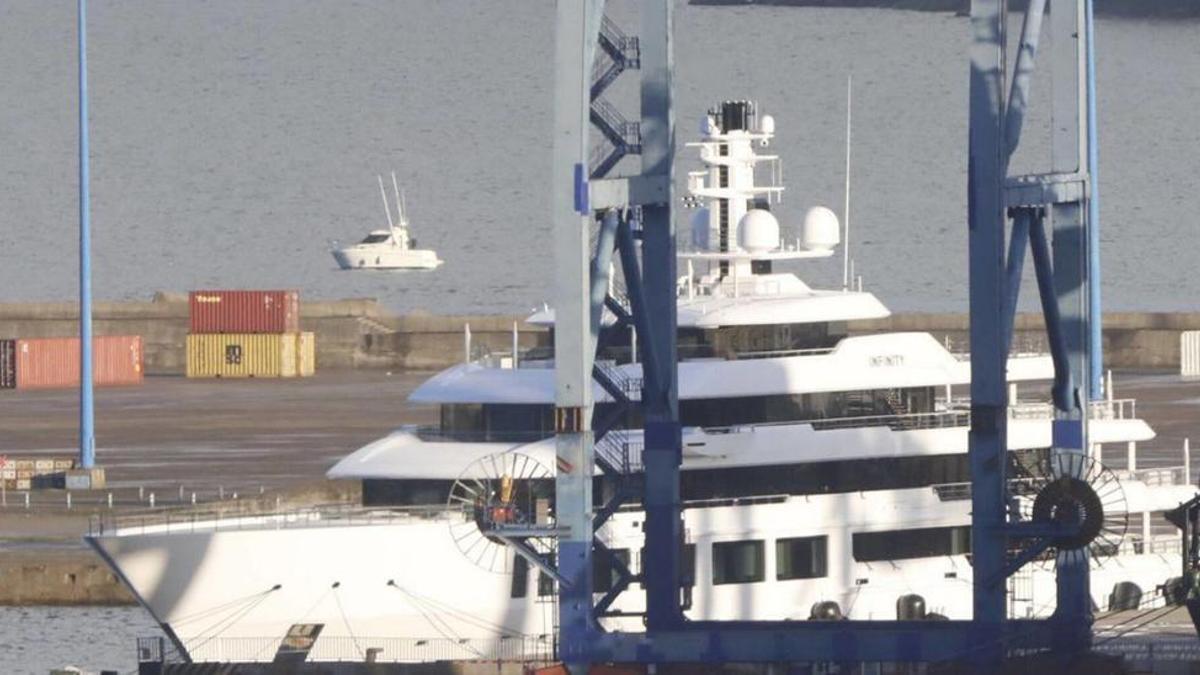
<point x="351" y="333"/>
<point x="360" y="333"/>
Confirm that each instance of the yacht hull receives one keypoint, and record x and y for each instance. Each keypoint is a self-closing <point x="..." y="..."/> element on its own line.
<point x="354" y="257"/>
<point x="230" y="590"/>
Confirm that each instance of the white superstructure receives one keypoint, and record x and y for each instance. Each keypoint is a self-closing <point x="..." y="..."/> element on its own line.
<point x="393" y="248"/>
<point x="823" y="474"/>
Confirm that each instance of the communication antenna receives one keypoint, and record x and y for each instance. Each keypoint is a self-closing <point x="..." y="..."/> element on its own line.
<point x="846" y="205"/>
<point x="399" y="201"/>
<point x="386" y="208"/>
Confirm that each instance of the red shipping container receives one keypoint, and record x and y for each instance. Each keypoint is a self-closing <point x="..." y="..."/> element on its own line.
<point x="53" y="363"/>
<point x="244" y="311"/>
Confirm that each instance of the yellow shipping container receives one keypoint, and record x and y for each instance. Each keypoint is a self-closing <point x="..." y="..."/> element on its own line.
<point x="242" y="355"/>
<point x="306" y="355"/>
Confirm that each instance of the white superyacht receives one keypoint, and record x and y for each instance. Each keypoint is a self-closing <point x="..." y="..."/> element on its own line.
<point x="824" y="475"/>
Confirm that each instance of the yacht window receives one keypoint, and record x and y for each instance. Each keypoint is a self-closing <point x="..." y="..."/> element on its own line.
<point x="545" y="581"/>
<point x="604" y="575"/>
<point x="687" y="566"/>
<point x="497" y="421"/>
<point x="518" y="418"/>
<point x="376" y="238"/>
<point x="852" y="475"/>
<point x="462" y="417"/>
<point x="801" y="558"/>
<point x="881" y="405"/>
<point x="520" y="580"/>
<point x="926" y="542"/>
<point x="738" y="562"/>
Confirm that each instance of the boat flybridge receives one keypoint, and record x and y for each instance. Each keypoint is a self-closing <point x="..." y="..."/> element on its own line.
<point x="824" y="474"/>
<point x="389" y="249"/>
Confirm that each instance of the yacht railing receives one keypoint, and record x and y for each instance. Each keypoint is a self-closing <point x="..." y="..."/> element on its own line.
<point x="1157" y="477"/>
<point x="435" y="434"/>
<point x="728" y="288"/>
<point x="780" y="353"/>
<point x="1115" y="409"/>
<point x="246" y="518"/>
<point x="523" y="648"/>
<point x="534" y="357"/>
<point x="1136" y="544"/>
<point x="958" y="415"/>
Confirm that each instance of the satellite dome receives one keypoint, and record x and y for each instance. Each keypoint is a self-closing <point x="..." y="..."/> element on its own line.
<point x="758" y="231"/>
<point x="700" y="229"/>
<point x="767" y="124"/>
<point x="821" y="230"/>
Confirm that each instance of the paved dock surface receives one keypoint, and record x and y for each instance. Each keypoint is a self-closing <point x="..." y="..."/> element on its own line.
<point x="204" y="433"/>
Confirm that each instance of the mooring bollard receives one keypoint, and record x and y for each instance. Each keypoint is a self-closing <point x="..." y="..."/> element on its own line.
<point x="110" y="501"/>
<point x="151" y="500"/>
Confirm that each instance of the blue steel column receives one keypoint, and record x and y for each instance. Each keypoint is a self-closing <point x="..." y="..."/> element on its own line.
<point x="1096" y="347"/>
<point x="662" y="453"/>
<point x="577" y="25"/>
<point x="87" y="434"/>
<point x="989" y="419"/>
<point x="1073" y="615"/>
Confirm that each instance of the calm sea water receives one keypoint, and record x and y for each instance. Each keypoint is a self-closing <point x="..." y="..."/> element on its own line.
<point x="35" y="640"/>
<point x="232" y="140"/>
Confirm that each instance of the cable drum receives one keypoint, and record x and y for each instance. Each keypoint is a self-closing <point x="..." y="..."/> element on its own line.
<point x="1075" y="490"/>
<point x="494" y="491"/>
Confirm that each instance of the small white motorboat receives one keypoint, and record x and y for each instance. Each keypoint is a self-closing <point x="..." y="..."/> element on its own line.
<point x="388" y="249"/>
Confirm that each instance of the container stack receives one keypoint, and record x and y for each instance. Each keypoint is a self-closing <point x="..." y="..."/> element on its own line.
<point x="247" y="334"/>
<point x="53" y="363"/>
<point x="26" y="473"/>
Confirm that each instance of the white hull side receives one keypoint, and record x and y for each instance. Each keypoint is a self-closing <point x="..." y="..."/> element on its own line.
<point x="214" y="589"/>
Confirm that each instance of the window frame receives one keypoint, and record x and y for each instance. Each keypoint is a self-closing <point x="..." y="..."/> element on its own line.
<point x="759" y="546"/>
<point x="820" y="540"/>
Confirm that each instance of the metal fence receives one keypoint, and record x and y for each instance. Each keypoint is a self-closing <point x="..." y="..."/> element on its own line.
<point x="1189" y="353"/>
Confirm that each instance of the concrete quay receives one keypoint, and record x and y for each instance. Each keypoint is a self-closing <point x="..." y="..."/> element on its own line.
<point x="352" y="333"/>
<point x="362" y="334"/>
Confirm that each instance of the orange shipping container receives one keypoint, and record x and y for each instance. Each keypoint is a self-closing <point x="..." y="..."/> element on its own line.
<point x="244" y="312"/>
<point x="52" y="363"/>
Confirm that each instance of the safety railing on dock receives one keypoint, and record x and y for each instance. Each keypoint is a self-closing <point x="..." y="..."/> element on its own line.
<point x="516" y="648"/>
<point x="224" y="519"/>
